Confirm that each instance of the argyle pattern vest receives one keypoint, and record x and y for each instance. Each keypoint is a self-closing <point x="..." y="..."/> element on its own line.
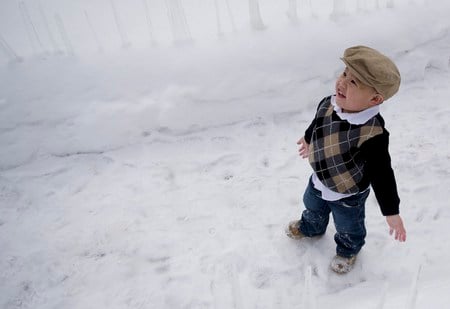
<point x="334" y="150"/>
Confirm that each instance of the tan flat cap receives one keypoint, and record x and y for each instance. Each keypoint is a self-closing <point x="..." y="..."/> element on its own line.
<point x="373" y="69"/>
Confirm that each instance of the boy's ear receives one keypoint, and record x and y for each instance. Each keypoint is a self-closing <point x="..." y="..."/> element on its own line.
<point x="376" y="99"/>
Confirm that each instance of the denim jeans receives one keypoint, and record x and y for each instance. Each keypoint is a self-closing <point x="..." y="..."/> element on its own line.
<point x="348" y="215"/>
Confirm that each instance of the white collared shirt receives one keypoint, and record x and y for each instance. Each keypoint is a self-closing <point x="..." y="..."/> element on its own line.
<point x="352" y="118"/>
<point x="355" y="118"/>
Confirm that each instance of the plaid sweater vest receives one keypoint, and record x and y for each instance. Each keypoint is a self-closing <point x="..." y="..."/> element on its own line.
<point x="334" y="151"/>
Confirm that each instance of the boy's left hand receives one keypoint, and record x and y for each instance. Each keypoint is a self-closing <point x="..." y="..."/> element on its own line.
<point x="395" y="223"/>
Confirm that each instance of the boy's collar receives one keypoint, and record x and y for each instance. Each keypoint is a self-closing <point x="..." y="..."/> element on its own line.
<point x="355" y="118"/>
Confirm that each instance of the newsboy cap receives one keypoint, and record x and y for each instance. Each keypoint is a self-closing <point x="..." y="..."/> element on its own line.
<point x="373" y="69"/>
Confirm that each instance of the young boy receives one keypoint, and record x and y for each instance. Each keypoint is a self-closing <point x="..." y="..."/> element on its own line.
<point x="347" y="147"/>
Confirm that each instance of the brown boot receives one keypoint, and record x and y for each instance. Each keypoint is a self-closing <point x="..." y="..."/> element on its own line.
<point x="342" y="265"/>
<point x="293" y="230"/>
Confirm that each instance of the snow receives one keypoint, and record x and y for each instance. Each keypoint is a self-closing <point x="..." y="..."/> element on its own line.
<point x="163" y="176"/>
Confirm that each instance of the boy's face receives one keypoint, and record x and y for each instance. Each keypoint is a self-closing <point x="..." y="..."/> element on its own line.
<point x="353" y="96"/>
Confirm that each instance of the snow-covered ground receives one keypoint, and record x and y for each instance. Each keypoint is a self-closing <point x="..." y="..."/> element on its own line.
<point x="161" y="172"/>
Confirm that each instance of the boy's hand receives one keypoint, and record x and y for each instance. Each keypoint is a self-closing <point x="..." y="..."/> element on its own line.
<point x="396" y="225"/>
<point x="304" y="148"/>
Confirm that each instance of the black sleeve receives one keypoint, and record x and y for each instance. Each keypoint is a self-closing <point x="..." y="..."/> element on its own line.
<point x="309" y="131"/>
<point x="381" y="176"/>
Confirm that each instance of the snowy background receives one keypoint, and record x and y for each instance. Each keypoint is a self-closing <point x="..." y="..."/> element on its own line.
<point x="148" y="153"/>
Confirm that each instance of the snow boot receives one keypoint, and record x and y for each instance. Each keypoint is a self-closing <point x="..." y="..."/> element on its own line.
<point x="293" y="230"/>
<point x="342" y="265"/>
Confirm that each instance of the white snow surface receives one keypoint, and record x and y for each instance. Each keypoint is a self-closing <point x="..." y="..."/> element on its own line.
<point x="163" y="176"/>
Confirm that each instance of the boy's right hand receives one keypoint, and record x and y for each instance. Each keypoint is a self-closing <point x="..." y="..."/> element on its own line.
<point x="303" y="151"/>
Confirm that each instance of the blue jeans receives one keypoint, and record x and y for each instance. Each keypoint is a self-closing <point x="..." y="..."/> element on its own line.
<point x="348" y="215"/>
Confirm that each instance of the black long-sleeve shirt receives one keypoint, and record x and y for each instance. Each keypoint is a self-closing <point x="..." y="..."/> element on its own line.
<point x="378" y="171"/>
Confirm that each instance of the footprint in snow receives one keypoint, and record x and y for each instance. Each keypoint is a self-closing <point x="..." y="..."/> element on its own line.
<point x="261" y="278"/>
